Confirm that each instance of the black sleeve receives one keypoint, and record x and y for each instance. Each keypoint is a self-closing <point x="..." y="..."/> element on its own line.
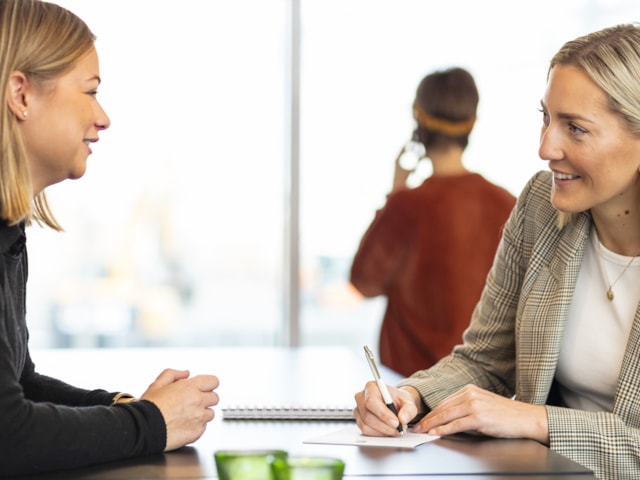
<point x="41" y="388"/>
<point x="39" y="436"/>
<point x="46" y="424"/>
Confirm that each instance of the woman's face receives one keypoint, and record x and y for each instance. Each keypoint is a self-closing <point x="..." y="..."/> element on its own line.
<point x="63" y="120"/>
<point x="595" y="161"/>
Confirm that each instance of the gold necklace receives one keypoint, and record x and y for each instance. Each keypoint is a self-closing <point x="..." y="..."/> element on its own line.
<point x="610" y="295"/>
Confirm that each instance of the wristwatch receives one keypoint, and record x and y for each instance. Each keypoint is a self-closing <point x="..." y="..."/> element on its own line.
<point x="123" y="398"/>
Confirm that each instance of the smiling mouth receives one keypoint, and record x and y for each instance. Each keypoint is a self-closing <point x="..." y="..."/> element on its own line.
<point x="564" y="176"/>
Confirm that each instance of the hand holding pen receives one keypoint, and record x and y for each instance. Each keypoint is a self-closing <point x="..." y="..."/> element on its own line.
<point x="384" y="391"/>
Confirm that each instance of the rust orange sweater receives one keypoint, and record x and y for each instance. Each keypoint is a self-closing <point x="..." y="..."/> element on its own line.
<point x="428" y="250"/>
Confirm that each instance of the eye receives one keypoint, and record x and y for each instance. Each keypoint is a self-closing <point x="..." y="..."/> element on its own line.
<point x="576" y="129"/>
<point x="545" y="116"/>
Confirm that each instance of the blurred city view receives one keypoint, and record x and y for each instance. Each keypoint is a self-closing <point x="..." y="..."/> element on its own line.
<point x="177" y="234"/>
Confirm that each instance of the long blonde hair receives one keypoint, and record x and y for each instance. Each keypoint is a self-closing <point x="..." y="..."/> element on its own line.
<point x="611" y="58"/>
<point x="43" y="41"/>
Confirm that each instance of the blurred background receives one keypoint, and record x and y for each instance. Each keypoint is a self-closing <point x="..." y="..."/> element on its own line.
<point x="252" y="142"/>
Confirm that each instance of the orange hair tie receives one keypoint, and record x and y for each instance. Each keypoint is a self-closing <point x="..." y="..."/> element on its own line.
<point x="449" y="127"/>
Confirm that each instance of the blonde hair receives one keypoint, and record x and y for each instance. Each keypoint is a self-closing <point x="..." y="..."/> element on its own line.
<point x="42" y="40"/>
<point x="611" y="58"/>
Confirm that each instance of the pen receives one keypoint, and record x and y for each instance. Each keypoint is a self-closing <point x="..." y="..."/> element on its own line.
<point x="386" y="396"/>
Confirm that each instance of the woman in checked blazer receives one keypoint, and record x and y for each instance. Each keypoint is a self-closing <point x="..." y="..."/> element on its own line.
<point x="552" y="352"/>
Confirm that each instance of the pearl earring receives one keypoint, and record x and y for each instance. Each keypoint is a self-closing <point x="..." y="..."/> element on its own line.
<point x="24" y="113"/>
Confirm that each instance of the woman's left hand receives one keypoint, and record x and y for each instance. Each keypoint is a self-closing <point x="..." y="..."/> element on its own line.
<point x="474" y="409"/>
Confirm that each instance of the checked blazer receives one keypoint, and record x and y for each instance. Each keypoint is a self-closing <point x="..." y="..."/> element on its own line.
<point x="512" y="344"/>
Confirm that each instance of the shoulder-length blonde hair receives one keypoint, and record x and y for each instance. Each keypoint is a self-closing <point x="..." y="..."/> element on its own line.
<point x="43" y="41"/>
<point x="611" y="58"/>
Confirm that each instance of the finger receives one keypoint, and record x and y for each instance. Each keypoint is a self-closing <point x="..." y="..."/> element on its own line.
<point x="362" y="417"/>
<point x="372" y="413"/>
<point x="206" y="383"/>
<point x="364" y="427"/>
<point x="374" y="402"/>
<point x="407" y="409"/>
<point x="456" y="413"/>
<point x="209" y="415"/>
<point x="467" y="394"/>
<point x="378" y="417"/>
<point x="169" y="376"/>
<point x="451" y="401"/>
<point x="462" y="424"/>
<point x="211" y="399"/>
<point x="406" y="413"/>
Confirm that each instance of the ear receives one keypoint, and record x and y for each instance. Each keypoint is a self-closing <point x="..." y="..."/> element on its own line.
<point x="16" y="94"/>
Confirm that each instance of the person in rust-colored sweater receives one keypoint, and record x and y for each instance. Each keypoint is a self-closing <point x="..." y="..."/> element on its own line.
<point x="429" y="249"/>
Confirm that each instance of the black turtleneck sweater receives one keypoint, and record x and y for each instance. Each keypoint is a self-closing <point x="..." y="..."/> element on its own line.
<point x="46" y="424"/>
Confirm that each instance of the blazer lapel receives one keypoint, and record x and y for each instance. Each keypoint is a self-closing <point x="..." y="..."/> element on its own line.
<point x="546" y="310"/>
<point x="626" y="402"/>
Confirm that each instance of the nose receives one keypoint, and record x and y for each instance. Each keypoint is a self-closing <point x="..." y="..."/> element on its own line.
<point x="550" y="148"/>
<point x="102" y="121"/>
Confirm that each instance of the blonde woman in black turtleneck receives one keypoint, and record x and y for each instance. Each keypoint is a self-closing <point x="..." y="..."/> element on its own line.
<point x="50" y="118"/>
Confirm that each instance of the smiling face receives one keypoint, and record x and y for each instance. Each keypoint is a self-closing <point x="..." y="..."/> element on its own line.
<point x="594" y="158"/>
<point x="63" y="117"/>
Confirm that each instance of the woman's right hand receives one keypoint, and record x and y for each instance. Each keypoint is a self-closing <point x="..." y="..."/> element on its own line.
<point x="400" y="175"/>
<point x="185" y="403"/>
<point x="373" y="416"/>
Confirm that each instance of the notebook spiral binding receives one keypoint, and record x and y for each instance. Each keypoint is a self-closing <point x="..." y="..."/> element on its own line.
<point x="287" y="413"/>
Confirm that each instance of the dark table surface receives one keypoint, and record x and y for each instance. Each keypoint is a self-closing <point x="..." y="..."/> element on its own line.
<point x="281" y="376"/>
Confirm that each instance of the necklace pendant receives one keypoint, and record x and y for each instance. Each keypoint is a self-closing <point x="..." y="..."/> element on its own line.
<point x="610" y="294"/>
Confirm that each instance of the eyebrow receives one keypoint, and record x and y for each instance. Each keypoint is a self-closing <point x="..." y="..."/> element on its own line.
<point x="568" y="116"/>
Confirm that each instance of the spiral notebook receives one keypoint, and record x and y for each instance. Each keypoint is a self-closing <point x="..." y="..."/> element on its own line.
<point x="287" y="413"/>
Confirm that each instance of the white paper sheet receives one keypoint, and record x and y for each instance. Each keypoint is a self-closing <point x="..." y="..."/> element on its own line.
<point x="351" y="435"/>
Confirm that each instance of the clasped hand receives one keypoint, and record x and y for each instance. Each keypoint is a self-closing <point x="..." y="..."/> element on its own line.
<point x="185" y="403"/>
<point x="469" y="409"/>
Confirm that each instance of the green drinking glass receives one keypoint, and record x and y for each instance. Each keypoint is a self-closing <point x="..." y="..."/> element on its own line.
<point x="307" y="468"/>
<point x="246" y="464"/>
